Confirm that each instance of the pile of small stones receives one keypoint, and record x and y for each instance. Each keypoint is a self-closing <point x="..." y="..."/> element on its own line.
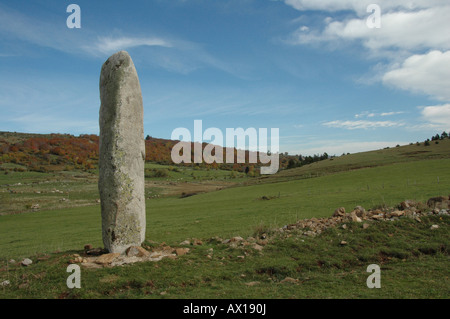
<point x="314" y="226"/>
<point x="100" y="258"/>
<point x="410" y="209"/>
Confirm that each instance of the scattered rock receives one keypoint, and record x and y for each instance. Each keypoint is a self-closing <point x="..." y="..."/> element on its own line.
<point x="257" y="247"/>
<point x="5" y="283"/>
<point x="91" y="265"/>
<point x="181" y="251"/>
<point x="408" y="204"/>
<point x="343" y="243"/>
<point x="136" y="251"/>
<point x="354" y="217"/>
<point x="396" y="213"/>
<point x="197" y="242"/>
<point x="26" y="262"/>
<point x="434" y="227"/>
<point x="77" y="259"/>
<point x="339" y="212"/>
<point x="185" y="243"/>
<point x="107" y="258"/>
<point x="316" y="226"/>
<point x="360" y="211"/>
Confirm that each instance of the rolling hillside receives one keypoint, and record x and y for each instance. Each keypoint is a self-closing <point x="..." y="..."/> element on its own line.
<point x="57" y="152"/>
<point x="49" y="217"/>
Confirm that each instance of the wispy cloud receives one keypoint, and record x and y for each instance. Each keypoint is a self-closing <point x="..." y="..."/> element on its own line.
<point x="355" y="125"/>
<point x="109" y="45"/>
<point x="366" y="114"/>
<point x="391" y="113"/>
<point x="175" y="55"/>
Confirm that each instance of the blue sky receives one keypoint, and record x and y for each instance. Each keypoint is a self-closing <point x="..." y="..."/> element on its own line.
<point x="313" y="69"/>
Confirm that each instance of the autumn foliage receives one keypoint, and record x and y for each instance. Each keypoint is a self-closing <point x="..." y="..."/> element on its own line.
<point x="66" y="152"/>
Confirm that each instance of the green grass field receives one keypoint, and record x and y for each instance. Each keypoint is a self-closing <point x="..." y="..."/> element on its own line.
<point x="415" y="261"/>
<point x="233" y="211"/>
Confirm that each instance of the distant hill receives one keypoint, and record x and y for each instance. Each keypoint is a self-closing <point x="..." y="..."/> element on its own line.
<point x="55" y="152"/>
<point x="427" y="150"/>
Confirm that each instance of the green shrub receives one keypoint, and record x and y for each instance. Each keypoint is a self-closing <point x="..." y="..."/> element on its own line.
<point x="156" y="172"/>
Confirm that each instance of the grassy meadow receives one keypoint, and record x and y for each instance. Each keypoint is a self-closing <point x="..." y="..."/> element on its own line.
<point x="226" y="204"/>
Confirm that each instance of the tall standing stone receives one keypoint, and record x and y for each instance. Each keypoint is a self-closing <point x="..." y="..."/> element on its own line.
<point x="122" y="154"/>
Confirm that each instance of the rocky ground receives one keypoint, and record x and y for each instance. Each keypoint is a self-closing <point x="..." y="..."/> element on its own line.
<point x="99" y="258"/>
<point x="311" y="227"/>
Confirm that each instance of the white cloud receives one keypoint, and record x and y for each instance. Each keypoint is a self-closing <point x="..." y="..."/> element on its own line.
<point x="437" y="115"/>
<point x="408" y="29"/>
<point x="367" y="114"/>
<point x="391" y="113"/>
<point x="361" y="124"/>
<point x="426" y="73"/>
<point x="400" y="30"/>
<point x="360" y="6"/>
<point x="108" y="45"/>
